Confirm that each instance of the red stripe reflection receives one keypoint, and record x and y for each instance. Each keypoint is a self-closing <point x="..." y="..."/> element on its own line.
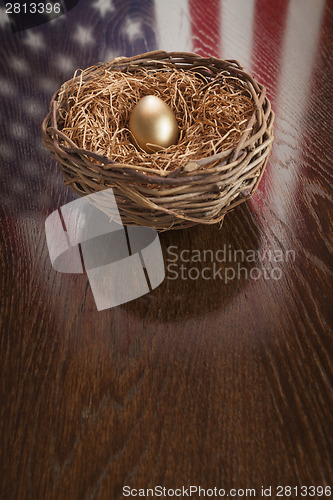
<point x="205" y="27"/>
<point x="269" y="30"/>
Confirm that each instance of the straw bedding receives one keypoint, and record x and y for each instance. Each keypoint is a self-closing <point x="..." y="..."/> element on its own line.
<point x="211" y="114"/>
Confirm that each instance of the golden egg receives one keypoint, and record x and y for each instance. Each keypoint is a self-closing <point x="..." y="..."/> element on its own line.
<point x="153" y="122"/>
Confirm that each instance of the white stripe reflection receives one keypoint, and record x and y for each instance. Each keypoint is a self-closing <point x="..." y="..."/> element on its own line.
<point x="173" y="25"/>
<point x="237" y="30"/>
<point x="298" y="58"/>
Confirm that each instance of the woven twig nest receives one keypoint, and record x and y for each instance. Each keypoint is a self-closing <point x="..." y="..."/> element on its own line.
<point x="226" y="135"/>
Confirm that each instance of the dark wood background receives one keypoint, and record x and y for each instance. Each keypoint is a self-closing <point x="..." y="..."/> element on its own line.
<point x="200" y="382"/>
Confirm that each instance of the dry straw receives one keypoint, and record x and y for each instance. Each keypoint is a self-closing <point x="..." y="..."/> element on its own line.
<point x="226" y="134"/>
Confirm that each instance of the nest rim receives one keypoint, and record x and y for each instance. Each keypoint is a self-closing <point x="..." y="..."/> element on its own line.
<point x="190" y="194"/>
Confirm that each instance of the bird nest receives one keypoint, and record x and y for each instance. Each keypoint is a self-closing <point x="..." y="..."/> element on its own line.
<point x="225" y="136"/>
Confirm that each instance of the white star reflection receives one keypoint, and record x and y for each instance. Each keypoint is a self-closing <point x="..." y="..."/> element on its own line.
<point x="4" y="20"/>
<point x="30" y="168"/>
<point x="83" y="35"/>
<point x="34" y="40"/>
<point x="19" y="186"/>
<point x="103" y="6"/>
<point x="6" y="151"/>
<point x="47" y="84"/>
<point x="133" y="29"/>
<point x="109" y="55"/>
<point x="18" y="131"/>
<point x="18" y="64"/>
<point x="33" y="108"/>
<point x="65" y="63"/>
<point x="6" y="89"/>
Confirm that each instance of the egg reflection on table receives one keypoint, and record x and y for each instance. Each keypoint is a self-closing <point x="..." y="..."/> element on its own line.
<point x="153" y="122"/>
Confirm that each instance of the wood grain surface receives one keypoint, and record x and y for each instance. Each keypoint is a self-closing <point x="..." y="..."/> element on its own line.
<point x="209" y="380"/>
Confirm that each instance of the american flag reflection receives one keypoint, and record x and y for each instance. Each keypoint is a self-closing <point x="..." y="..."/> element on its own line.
<point x="276" y="41"/>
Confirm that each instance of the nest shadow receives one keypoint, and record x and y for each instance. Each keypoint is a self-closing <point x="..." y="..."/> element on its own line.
<point x="206" y="266"/>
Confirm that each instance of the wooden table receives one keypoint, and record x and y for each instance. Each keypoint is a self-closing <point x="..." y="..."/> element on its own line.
<point x="214" y="382"/>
